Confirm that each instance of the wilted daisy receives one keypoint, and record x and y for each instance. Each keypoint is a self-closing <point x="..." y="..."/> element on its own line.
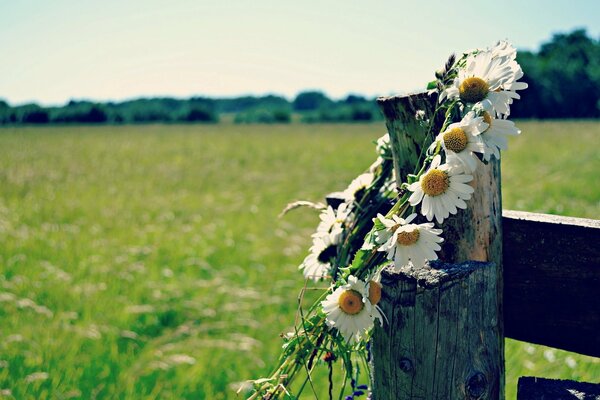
<point x="358" y="186"/>
<point x="495" y="135"/>
<point x="317" y="265"/>
<point x="405" y="242"/>
<point x="461" y="139"/>
<point x="442" y="189"/>
<point x="487" y="78"/>
<point x="352" y="308"/>
<point x="332" y="222"/>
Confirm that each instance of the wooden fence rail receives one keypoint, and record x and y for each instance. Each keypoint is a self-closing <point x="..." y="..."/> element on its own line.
<point x="552" y="280"/>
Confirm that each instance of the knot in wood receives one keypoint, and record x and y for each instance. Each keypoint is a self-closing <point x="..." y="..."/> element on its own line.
<point x="476" y="386"/>
<point x="406" y="365"/>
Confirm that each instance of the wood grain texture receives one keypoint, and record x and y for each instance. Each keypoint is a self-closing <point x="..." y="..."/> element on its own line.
<point x="552" y="281"/>
<point x="442" y="338"/>
<point x="472" y="234"/>
<point x="408" y="135"/>
<point x="531" y="388"/>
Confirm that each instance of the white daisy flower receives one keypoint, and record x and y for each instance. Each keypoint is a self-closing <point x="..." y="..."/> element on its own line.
<point x="352" y="308"/>
<point x="489" y="79"/>
<point x="442" y="189"/>
<point x="357" y="187"/>
<point x="461" y="139"/>
<point x="332" y="222"/>
<point x="504" y="49"/>
<point x="495" y="135"/>
<point x="317" y="264"/>
<point x="408" y="243"/>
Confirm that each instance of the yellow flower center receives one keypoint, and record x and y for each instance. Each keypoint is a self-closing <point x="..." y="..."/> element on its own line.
<point x="473" y="89"/>
<point x="487" y="118"/>
<point x="374" y="292"/>
<point x="408" y="238"/>
<point x="435" y="182"/>
<point x="456" y="140"/>
<point x="350" y="302"/>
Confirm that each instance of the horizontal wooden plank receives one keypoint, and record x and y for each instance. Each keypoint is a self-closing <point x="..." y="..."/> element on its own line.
<point x="531" y="388"/>
<point x="552" y="280"/>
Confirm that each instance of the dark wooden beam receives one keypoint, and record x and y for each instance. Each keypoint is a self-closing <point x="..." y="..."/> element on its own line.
<point x="552" y="280"/>
<point x="531" y="388"/>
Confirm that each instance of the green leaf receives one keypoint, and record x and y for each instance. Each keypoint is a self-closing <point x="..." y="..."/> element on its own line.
<point x="360" y="258"/>
<point x="432" y="85"/>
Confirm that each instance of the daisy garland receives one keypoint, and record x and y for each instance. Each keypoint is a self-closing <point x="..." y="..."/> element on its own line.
<point x="375" y="223"/>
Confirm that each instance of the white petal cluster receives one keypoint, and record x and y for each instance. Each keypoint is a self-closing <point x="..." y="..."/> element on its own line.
<point x="332" y="222"/>
<point x="441" y="190"/>
<point x="407" y="243"/>
<point x="461" y="140"/>
<point x="490" y="77"/>
<point x="317" y="264"/>
<point x="349" y="310"/>
<point x="495" y="136"/>
<point x="357" y="187"/>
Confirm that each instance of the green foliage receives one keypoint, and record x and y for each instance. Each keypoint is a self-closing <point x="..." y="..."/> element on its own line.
<point x="264" y="116"/>
<point x="563" y="78"/>
<point x="311" y="101"/>
<point x="143" y="262"/>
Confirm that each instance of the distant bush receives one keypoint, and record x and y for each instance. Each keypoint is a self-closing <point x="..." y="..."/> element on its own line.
<point x="200" y="114"/>
<point x="341" y="112"/>
<point x="80" y="113"/>
<point x="39" y="116"/>
<point x="264" y="116"/>
<point x="311" y="101"/>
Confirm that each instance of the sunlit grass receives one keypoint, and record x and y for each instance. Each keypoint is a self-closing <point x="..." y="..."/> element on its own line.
<point x="149" y="262"/>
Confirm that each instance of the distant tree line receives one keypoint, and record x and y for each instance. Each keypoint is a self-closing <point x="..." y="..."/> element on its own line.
<point x="563" y="78"/>
<point x="310" y="106"/>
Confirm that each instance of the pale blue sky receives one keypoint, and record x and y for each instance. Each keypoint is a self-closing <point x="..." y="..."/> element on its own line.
<point x="56" y="50"/>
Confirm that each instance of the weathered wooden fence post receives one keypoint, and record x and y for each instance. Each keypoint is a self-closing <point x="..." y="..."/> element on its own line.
<point x="444" y="337"/>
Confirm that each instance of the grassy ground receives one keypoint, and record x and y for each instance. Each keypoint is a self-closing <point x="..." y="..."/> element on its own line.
<point x="148" y="262"/>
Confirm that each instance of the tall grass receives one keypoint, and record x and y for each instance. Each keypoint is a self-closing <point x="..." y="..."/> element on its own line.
<point x="148" y="261"/>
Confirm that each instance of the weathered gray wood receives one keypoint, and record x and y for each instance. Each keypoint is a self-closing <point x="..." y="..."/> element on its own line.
<point x="408" y="133"/>
<point x="531" y="388"/>
<point x="552" y="280"/>
<point x="445" y="342"/>
<point x="474" y="234"/>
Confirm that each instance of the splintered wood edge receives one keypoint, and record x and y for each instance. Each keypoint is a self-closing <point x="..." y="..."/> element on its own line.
<point x="434" y="273"/>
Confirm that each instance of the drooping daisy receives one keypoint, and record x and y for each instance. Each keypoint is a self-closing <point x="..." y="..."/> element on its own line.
<point x="487" y="78"/>
<point x="332" y="222"/>
<point x="352" y="308"/>
<point x="358" y="186"/>
<point x="461" y="139"/>
<point x="408" y="243"/>
<point x="442" y="189"/>
<point x="495" y="135"/>
<point x="317" y="265"/>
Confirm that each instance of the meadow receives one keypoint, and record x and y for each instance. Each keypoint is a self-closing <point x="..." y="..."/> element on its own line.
<point x="146" y="262"/>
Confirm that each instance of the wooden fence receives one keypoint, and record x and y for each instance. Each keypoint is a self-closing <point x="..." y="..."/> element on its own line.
<point x="531" y="277"/>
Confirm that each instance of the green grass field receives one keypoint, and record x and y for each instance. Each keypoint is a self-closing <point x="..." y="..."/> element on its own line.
<point x="148" y="262"/>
